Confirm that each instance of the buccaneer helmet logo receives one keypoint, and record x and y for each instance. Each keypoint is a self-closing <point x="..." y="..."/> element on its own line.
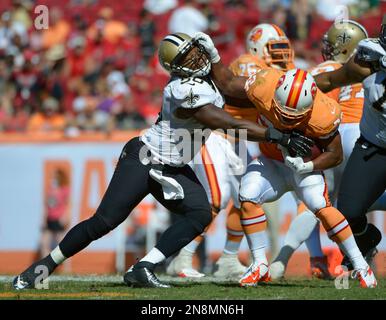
<point x="280" y="82"/>
<point x="256" y="35"/>
<point x="313" y="90"/>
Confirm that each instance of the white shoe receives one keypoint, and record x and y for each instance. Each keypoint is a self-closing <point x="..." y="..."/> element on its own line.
<point x="277" y="270"/>
<point x="256" y="273"/>
<point x="190" y="273"/>
<point x="229" y="267"/>
<point x="182" y="266"/>
<point x="366" y="277"/>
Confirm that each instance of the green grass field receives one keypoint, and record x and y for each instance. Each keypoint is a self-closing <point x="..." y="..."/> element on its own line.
<point x="112" y="287"/>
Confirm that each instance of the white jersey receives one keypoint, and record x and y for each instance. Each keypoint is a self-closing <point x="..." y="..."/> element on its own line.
<point x="170" y="139"/>
<point x="373" y="122"/>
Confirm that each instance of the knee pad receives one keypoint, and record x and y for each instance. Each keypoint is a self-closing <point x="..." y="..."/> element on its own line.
<point x="315" y="199"/>
<point x="251" y="189"/>
<point x="317" y="203"/>
<point x="96" y="227"/>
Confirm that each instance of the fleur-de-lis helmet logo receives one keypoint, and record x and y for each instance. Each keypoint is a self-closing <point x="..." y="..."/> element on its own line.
<point x="343" y="38"/>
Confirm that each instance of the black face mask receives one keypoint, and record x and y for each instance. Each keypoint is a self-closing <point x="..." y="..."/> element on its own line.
<point x="382" y="36"/>
<point x="327" y="50"/>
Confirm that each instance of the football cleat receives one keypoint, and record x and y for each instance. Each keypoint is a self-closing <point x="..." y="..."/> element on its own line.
<point x="319" y="268"/>
<point x="141" y="275"/>
<point x="190" y="273"/>
<point x="366" y="277"/>
<point x="277" y="270"/>
<point x="22" y="282"/>
<point x="229" y="267"/>
<point x="30" y="278"/>
<point x="256" y="273"/>
<point x="182" y="266"/>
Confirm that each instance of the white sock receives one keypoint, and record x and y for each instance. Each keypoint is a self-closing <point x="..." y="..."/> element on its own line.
<point x="259" y="256"/>
<point x="57" y="255"/>
<point x="231" y="247"/>
<point x="350" y="248"/>
<point x="154" y="256"/>
<point x="257" y="243"/>
<point x="300" y="229"/>
<point x="313" y="243"/>
<point x="192" y="246"/>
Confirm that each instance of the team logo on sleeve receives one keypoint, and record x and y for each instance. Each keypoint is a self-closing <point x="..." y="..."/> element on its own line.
<point x="314" y="89"/>
<point x="191" y="99"/>
<point x="280" y="82"/>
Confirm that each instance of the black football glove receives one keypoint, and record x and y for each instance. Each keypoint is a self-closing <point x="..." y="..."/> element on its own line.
<point x="296" y="143"/>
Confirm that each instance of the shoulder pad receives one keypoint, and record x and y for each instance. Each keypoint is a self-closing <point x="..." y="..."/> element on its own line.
<point x="327" y="118"/>
<point x="193" y="92"/>
<point x="370" y="50"/>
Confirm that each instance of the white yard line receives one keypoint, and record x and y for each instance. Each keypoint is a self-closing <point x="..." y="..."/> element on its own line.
<point x="119" y="279"/>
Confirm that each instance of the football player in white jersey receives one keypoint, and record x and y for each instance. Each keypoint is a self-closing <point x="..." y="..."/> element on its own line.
<point x="364" y="177"/>
<point x="219" y="169"/>
<point x="157" y="163"/>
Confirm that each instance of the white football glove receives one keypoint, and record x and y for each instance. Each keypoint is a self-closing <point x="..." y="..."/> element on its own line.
<point x="370" y="50"/>
<point x="208" y="44"/>
<point x="297" y="164"/>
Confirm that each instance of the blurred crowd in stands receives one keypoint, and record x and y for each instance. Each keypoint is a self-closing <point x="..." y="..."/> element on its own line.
<point x="95" y="68"/>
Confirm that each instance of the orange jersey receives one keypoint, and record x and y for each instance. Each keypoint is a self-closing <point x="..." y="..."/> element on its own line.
<point x="328" y="66"/>
<point x="349" y="97"/>
<point x="322" y="123"/>
<point x="245" y="66"/>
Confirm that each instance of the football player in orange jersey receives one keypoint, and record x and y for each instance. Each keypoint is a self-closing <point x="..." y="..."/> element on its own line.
<point x="339" y="44"/>
<point x="266" y="46"/>
<point x="288" y="101"/>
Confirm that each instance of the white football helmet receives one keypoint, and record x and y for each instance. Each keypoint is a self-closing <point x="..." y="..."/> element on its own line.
<point x="294" y="95"/>
<point x="270" y="43"/>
